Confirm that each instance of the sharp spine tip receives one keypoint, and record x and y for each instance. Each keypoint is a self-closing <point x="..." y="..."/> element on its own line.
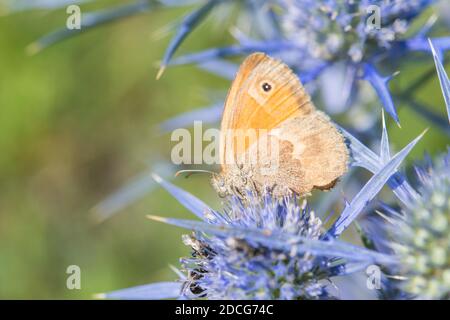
<point x="156" y="177"/>
<point x="160" y="72"/>
<point x="99" y="295"/>
<point x="155" y="218"/>
<point x="33" y="48"/>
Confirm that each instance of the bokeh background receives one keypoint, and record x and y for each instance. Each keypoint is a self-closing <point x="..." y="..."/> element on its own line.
<point x="77" y="122"/>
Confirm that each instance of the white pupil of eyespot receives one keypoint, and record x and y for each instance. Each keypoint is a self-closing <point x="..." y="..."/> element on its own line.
<point x="266" y="87"/>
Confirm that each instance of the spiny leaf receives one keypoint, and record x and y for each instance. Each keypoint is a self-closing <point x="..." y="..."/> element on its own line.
<point x="89" y="21"/>
<point x="137" y="188"/>
<point x="193" y="204"/>
<point x="271" y="46"/>
<point x="443" y="79"/>
<point x="293" y="245"/>
<point x="380" y="83"/>
<point x="370" y="190"/>
<point x="385" y="154"/>
<point x="208" y="115"/>
<point x="187" y="25"/>
<point x="365" y="158"/>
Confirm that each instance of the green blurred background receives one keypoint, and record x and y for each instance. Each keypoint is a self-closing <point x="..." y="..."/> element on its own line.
<point x="76" y="123"/>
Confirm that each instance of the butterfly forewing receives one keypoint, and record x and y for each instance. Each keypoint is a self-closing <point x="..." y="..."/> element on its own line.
<point x="264" y="94"/>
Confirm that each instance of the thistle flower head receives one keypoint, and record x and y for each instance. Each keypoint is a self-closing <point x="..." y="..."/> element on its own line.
<point x="266" y="247"/>
<point x="331" y="30"/>
<point x="420" y="236"/>
<point x="240" y="268"/>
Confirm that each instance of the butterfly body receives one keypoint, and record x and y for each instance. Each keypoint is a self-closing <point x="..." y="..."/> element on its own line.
<point x="273" y="137"/>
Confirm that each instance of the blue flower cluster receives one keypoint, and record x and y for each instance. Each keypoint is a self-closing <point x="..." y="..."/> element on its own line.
<point x="418" y="235"/>
<point x="262" y="247"/>
<point x="334" y="30"/>
<point x="245" y="267"/>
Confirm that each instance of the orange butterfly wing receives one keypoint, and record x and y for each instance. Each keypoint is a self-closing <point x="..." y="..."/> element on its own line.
<point x="249" y="106"/>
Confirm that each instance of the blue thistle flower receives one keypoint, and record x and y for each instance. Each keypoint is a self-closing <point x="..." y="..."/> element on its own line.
<point x="417" y="231"/>
<point x="262" y="247"/>
<point x="330" y="30"/>
<point x="240" y="268"/>
<point x="418" y="234"/>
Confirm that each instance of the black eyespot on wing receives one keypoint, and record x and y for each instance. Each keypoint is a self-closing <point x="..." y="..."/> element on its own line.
<point x="266" y="87"/>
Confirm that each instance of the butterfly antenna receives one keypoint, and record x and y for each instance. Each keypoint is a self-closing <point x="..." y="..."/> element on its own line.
<point x="190" y="172"/>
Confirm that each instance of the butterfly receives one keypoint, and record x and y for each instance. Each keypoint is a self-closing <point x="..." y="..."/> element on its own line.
<point x="307" y="151"/>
